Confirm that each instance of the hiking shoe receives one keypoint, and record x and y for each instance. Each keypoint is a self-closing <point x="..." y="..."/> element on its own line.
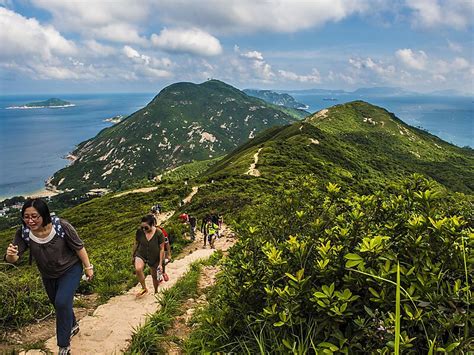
<point x="75" y="329"/>
<point x="165" y="276"/>
<point x="64" y="350"/>
<point x="141" y="293"/>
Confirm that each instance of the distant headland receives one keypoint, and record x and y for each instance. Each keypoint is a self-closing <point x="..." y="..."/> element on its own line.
<point x="50" y="103"/>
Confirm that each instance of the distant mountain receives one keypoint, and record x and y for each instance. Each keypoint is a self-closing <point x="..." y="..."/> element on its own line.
<point x="184" y="122"/>
<point x="276" y="98"/>
<point x="317" y="92"/>
<point x="354" y="144"/>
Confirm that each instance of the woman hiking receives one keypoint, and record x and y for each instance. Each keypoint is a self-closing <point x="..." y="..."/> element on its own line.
<point x="60" y="256"/>
<point x="149" y="249"/>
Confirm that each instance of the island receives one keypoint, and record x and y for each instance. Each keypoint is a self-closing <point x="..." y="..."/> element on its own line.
<point x="280" y="99"/>
<point x="50" y="103"/>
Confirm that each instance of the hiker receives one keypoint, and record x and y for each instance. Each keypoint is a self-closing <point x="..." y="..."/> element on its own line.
<point x="215" y="220"/>
<point x="204" y="230"/>
<point x="213" y="230"/>
<point x="60" y="256"/>
<point x="185" y="218"/>
<point x="167" y="252"/>
<point x="156" y="209"/>
<point x="220" y="218"/>
<point x="149" y="248"/>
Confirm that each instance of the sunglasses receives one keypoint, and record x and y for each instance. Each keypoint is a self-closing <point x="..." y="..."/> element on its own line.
<point x="146" y="228"/>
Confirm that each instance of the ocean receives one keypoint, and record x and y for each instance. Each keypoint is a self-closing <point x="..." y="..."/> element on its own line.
<point x="34" y="142"/>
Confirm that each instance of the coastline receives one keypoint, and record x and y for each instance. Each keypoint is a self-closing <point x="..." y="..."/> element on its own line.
<point x="33" y="107"/>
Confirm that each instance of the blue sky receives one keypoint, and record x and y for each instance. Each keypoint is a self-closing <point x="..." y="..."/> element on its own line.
<point x="54" y="46"/>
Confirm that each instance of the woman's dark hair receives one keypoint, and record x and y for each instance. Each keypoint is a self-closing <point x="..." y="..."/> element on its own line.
<point x="40" y="206"/>
<point x="149" y="219"/>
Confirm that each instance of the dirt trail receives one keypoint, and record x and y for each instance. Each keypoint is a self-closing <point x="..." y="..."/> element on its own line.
<point x="188" y="198"/>
<point x="109" y="329"/>
<point x="143" y="189"/>
<point x="252" y="171"/>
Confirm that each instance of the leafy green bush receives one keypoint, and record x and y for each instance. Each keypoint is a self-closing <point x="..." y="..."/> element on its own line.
<point x="316" y="271"/>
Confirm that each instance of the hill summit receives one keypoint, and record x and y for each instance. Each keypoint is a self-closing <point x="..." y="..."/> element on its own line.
<point x="184" y="122"/>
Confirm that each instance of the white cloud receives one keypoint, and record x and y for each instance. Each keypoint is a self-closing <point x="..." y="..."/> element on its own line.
<point x="368" y="63"/>
<point x="148" y="66"/>
<point x="118" y="32"/>
<point x="253" y="55"/>
<point x="117" y="21"/>
<point x="314" y="77"/>
<point x="23" y="37"/>
<point x="194" y="41"/>
<point x="414" y="60"/>
<point x="254" y="60"/>
<point x="246" y="16"/>
<point x="97" y="49"/>
<point x="435" y="13"/>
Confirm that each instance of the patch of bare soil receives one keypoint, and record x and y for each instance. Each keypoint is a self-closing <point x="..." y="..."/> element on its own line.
<point x="181" y="327"/>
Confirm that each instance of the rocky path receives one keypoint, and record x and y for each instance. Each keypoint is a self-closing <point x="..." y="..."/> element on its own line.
<point x="252" y="171"/>
<point x="109" y="329"/>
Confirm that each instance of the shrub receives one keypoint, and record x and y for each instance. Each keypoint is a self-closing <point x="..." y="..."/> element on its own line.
<point x="317" y="270"/>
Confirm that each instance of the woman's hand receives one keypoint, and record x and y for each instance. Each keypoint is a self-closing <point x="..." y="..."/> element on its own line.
<point x="12" y="250"/>
<point x="12" y="254"/>
<point x="89" y="272"/>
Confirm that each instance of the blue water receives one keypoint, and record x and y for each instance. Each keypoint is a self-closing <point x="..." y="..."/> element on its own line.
<point x="33" y="142"/>
<point x="449" y="118"/>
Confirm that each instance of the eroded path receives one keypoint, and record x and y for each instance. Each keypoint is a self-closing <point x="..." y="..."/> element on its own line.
<point x="109" y="329"/>
<point x="252" y="171"/>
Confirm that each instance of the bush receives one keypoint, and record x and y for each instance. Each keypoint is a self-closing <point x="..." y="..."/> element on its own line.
<point x="316" y="271"/>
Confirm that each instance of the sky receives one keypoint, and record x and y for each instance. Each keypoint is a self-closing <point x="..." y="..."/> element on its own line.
<point x="78" y="46"/>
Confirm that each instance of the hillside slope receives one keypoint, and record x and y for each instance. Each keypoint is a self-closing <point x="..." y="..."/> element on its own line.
<point x="184" y="122"/>
<point x="353" y="144"/>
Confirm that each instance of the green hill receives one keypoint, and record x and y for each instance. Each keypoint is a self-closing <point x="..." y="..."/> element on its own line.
<point x="355" y="144"/>
<point x="336" y="208"/>
<point x="184" y="122"/>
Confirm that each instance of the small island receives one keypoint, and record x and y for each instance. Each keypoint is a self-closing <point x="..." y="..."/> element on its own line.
<point x="50" y="103"/>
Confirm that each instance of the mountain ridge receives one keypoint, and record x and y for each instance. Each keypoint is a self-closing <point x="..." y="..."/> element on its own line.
<point x="184" y="122"/>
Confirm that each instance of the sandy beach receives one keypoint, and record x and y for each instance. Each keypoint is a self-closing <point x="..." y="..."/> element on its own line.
<point x="41" y="193"/>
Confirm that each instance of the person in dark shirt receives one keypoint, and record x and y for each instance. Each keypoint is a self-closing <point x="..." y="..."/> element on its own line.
<point x="60" y="256"/>
<point x="204" y="227"/>
<point x="149" y="249"/>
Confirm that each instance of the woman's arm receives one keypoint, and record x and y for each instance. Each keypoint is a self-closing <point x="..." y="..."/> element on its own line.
<point x="88" y="268"/>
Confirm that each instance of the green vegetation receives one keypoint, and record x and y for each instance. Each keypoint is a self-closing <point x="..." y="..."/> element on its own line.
<point x="107" y="225"/>
<point x="148" y="339"/>
<point x="275" y="98"/>
<point x="189" y="171"/>
<point x="185" y="122"/>
<point x="54" y="102"/>
<point x="340" y="209"/>
<point x="320" y="268"/>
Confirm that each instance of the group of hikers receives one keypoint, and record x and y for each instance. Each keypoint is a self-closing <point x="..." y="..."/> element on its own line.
<point x="210" y="227"/>
<point x="62" y="259"/>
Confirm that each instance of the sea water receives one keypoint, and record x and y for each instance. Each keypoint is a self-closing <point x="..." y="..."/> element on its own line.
<point x="34" y="142"/>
